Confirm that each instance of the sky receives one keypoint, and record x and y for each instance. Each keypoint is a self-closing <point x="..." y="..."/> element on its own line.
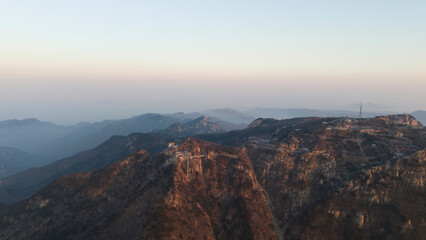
<point x="71" y="61"/>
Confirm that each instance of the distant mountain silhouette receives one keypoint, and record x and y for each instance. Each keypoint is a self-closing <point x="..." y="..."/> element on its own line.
<point x="420" y="115"/>
<point x="185" y="116"/>
<point x="23" y="122"/>
<point x="13" y="160"/>
<point x="230" y="115"/>
<point x="31" y="135"/>
<point x="94" y="134"/>
<point x="53" y="142"/>
<point x="26" y="183"/>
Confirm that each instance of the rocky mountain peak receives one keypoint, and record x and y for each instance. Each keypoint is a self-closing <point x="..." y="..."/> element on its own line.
<point x="201" y="119"/>
<point x="306" y="178"/>
<point x="404" y="119"/>
<point x="201" y="125"/>
<point x="23" y="122"/>
<point x="262" y="122"/>
<point x="199" y="190"/>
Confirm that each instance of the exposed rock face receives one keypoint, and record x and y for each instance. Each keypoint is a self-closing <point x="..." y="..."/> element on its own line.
<point x="384" y="202"/>
<point x="402" y="119"/>
<point x="300" y="164"/>
<point x="311" y="178"/>
<point x="201" y="125"/>
<point x="213" y="196"/>
<point x="81" y="206"/>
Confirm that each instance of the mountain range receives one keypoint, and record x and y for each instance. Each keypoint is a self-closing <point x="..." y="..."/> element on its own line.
<point x="26" y="183"/>
<point x="53" y="142"/>
<point x="46" y="142"/>
<point x="303" y="178"/>
<point x="13" y="160"/>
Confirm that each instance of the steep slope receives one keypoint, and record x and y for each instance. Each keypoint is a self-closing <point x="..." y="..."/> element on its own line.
<point x="384" y="202"/>
<point x="197" y="191"/>
<point x="404" y="119"/>
<point x="13" y="160"/>
<point x="299" y="161"/>
<point x="300" y="165"/>
<point x="24" y="184"/>
<point x="306" y="178"/>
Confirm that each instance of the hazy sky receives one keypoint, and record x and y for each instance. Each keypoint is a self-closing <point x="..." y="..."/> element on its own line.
<point x="70" y="61"/>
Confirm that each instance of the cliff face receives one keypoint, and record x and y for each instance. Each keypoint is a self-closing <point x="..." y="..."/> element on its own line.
<point x="83" y="205"/>
<point x="215" y="195"/>
<point x="301" y="165"/>
<point x="384" y="202"/>
<point x="197" y="191"/>
<point x="403" y="119"/>
<point x="312" y="178"/>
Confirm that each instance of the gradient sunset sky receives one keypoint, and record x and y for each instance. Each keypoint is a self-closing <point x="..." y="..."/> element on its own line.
<point x="70" y="61"/>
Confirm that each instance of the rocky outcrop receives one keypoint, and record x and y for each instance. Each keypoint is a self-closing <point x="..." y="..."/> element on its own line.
<point x="197" y="191"/>
<point x="313" y="178"/>
<point x="201" y="125"/>
<point x="384" y="202"/>
<point x="215" y="195"/>
<point x="404" y="119"/>
<point x="302" y="164"/>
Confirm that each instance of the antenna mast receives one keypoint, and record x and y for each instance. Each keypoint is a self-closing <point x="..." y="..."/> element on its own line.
<point x="360" y="111"/>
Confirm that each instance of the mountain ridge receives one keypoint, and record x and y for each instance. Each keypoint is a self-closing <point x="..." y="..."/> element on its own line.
<point x="53" y="142"/>
<point x="24" y="184"/>
<point x="278" y="179"/>
<point x="163" y="175"/>
<point x="13" y="160"/>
